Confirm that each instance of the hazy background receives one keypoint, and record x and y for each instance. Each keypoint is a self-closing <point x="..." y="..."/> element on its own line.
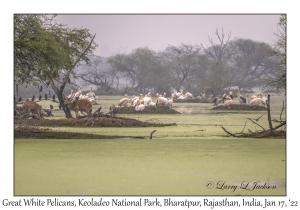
<point x="32" y="6"/>
<point x="117" y="33"/>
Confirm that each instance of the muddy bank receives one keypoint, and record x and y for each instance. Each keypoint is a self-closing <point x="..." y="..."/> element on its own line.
<point x="193" y="100"/>
<point x="101" y="122"/>
<point x="240" y="107"/>
<point x="27" y="132"/>
<point x="149" y="110"/>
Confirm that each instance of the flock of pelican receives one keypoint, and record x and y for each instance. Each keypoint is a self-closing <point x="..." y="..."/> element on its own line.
<point x="91" y="96"/>
<point x="182" y="96"/>
<point x="227" y="100"/>
<point x="139" y="103"/>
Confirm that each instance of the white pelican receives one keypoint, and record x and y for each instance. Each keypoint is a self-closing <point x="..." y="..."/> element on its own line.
<point x="189" y="95"/>
<point x="83" y="97"/>
<point x="71" y="95"/>
<point x="147" y="99"/>
<point x="91" y="93"/>
<point x="134" y="100"/>
<point x="265" y="100"/>
<point x="182" y="97"/>
<point x="256" y="101"/>
<point x="141" y="99"/>
<point x="177" y="94"/>
<point x="170" y="101"/>
<point x="123" y="101"/>
<point x="77" y="94"/>
<point x="252" y="97"/>
<point x="228" y="102"/>
<point x="161" y="101"/>
<point x="152" y="103"/>
<point x="139" y="106"/>
<point x="242" y="99"/>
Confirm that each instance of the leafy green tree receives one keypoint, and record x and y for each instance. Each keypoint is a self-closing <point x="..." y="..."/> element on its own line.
<point x="47" y="52"/>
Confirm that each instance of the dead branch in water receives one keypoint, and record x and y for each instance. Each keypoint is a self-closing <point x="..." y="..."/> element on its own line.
<point x="263" y="133"/>
<point x="231" y="134"/>
<point x="257" y="118"/>
<point x="244" y="126"/>
<point x="152" y="134"/>
<point x="253" y="134"/>
<point x="256" y="123"/>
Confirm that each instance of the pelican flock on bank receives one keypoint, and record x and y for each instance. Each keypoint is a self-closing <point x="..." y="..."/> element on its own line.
<point x="91" y="96"/>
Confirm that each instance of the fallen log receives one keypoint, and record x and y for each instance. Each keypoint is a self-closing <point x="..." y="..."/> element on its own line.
<point x="252" y="134"/>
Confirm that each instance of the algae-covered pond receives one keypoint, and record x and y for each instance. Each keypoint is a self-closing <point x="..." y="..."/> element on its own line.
<point x="178" y="166"/>
<point x="179" y="160"/>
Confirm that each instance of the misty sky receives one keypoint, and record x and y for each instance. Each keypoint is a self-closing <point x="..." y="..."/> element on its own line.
<point x="123" y="33"/>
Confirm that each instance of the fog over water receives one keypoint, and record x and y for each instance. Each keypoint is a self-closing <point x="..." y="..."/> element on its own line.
<point x="123" y="33"/>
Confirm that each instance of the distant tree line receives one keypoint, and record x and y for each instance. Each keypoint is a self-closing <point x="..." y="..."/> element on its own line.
<point x="241" y="63"/>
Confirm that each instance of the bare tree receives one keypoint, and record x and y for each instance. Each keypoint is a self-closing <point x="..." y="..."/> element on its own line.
<point x="99" y="73"/>
<point x="218" y="52"/>
<point x="183" y="61"/>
